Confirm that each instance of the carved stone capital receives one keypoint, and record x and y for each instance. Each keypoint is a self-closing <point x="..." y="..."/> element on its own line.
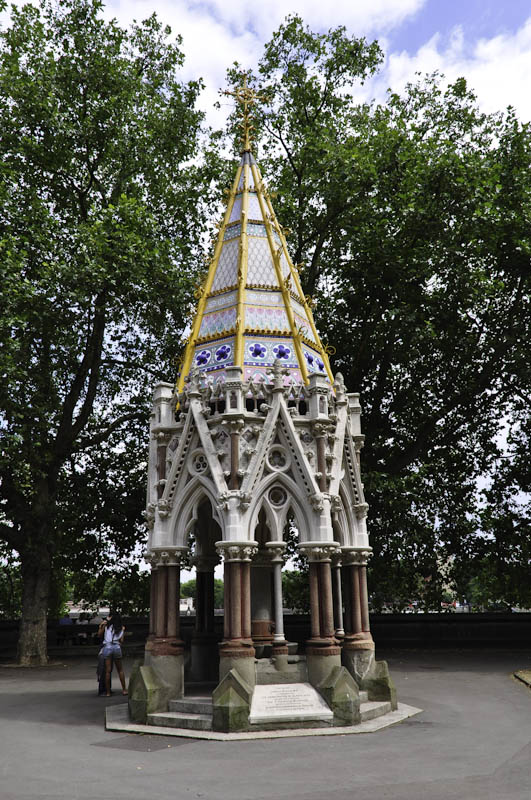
<point x="319" y="429"/>
<point x="166" y="557"/>
<point x="233" y="425"/>
<point x="357" y="556"/>
<point x="276" y="550"/>
<point x="319" y="551"/>
<point x="237" y="551"/>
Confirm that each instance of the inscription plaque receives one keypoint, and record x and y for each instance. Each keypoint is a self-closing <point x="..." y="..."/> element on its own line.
<point x="282" y="702"/>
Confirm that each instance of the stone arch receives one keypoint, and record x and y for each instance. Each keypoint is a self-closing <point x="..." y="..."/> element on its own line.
<point x="277" y="518"/>
<point x="346" y="518"/>
<point x="207" y="529"/>
<point x="186" y="510"/>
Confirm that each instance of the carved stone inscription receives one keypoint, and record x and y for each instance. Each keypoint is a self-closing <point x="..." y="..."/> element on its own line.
<point x="281" y="702"/>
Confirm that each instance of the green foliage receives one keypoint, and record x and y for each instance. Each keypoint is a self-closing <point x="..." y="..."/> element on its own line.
<point x="296" y="591"/>
<point x="10" y="585"/>
<point x="188" y="589"/>
<point x="412" y="219"/>
<point x="99" y="243"/>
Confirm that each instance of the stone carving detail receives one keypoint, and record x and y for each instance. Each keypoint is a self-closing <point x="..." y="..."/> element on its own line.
<point x="164" y="507"/>
<point x="319" y="551"/>
<point x="276" y="550"/>
<point x="166" y="558"/>
<point x="316" y="500"/>
<point x="355" y="556"/>
<point x="236" y="551"/>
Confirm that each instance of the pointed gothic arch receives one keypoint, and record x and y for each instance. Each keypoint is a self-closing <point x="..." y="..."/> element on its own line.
<point x="295" y="502"/>
<point x="186" y="507"/>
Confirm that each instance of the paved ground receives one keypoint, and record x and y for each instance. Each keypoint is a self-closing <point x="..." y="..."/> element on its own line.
<point x="472" y="742"/>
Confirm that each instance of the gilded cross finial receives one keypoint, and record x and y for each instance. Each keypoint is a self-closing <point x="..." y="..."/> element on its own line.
<point x="247" y="97"/>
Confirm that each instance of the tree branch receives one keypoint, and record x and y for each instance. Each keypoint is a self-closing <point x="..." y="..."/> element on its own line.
<point x="91" y="441"/>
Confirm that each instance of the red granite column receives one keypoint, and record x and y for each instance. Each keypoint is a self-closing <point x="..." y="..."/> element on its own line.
<point x="235" y="601"/>
<point x="355" y="599"/>
<point x="226" y="601"/>
<point x="173" y="619"/>
<point x="321" y="603"/>
<point x="152" y="600"/>
<point x="166" y="639"/>
<point x="364" y="598"/>
<point x="358" y="636"/>
<point x="237" y="645"/>
<point x="315" y="621"/>
<point x="246" y="600"/>
<point x="325" y="591"/>
<point x="161" y="602"/>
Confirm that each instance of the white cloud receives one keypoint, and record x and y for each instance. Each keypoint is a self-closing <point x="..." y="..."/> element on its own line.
<point x="498" y="69"/>
<point x="361" y="16"/>
<point x="218" y="32"/>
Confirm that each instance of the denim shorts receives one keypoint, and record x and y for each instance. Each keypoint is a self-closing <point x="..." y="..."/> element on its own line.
<point x="113" y="650"/>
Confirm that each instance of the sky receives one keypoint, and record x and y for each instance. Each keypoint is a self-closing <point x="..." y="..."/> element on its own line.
<point x="486" y="41"/>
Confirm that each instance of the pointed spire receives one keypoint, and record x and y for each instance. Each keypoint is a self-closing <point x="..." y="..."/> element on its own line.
<point x="252" y="310"/>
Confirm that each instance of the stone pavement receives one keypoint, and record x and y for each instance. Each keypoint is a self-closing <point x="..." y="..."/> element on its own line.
<point x="472" y="742"/>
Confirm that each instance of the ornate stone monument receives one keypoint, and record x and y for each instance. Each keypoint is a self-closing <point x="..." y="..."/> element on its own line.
<point x="257" y="432"/>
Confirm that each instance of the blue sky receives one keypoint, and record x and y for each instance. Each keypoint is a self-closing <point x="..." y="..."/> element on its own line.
<point x="478" y="18"/>
<point x="487" y="41"/>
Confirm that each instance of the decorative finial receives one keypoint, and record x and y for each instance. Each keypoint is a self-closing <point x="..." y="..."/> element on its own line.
<point x="246" y="97"/>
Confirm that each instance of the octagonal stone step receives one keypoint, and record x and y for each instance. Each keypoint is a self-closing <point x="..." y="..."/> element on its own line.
<point x="374" y="709"/>
<point x="178" y="719"/>
<point x="192" y="705"/>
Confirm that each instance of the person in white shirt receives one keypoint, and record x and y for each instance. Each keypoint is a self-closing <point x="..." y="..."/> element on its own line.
<point x="113" y="634"/>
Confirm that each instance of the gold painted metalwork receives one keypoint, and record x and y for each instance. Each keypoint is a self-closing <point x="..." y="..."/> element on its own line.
<point x="246" y="97"/>
<point x="189" y="353"/>
<point x="285" y="292"/>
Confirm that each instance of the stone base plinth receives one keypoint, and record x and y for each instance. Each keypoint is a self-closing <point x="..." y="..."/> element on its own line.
<point x="153" y="683"/>
<point x="239" y="658"/>
<point x="358" y="660"/>
<point x="320" y="662"/>
<point x="169" y="669"/>
<point x="231" y="702"/>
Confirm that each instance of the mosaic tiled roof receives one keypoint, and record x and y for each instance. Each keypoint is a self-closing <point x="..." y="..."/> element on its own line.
<point x="252" y="309"/>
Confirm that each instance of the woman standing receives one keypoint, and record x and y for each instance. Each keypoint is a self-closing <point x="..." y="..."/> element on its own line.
<point x="112" y="651"/>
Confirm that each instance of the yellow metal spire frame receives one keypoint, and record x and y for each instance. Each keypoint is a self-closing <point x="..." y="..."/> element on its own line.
<point x="240" y="274"/>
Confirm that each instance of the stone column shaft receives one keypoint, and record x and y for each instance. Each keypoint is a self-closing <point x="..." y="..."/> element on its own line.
<point x="226" y="600"/>
<point x="355" y="599"/>
<point x="161" y="602"/>
<point x="279" y="610"/>
<point x="173" y="601"/>
<point x="314" y="601"/>
<point x="364" y="599"/>
<point x="152" y="601"/>
<point x="338" y="598"/>
<point x="245" y="571"/>
<point x="325" y="587"/>
<point x="235" y="600"/>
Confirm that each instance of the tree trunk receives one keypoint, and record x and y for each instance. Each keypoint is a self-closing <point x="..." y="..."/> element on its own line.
<point x="36" y="570"/>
